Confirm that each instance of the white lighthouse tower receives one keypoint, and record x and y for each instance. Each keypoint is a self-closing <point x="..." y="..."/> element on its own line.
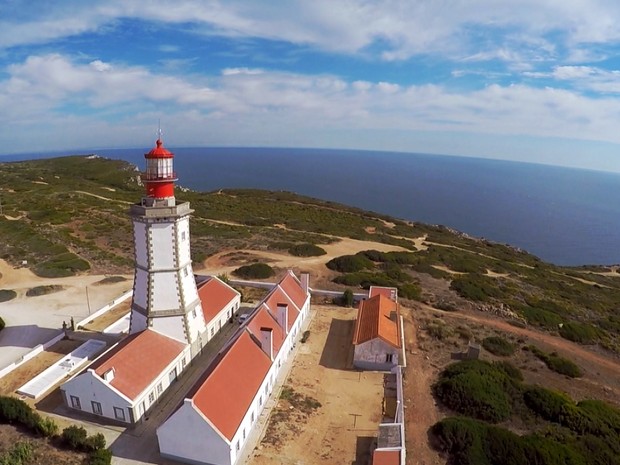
<point x="165" y="297"/>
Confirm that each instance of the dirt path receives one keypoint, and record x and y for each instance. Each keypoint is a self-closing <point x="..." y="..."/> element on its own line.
<point x="420" y="409"/>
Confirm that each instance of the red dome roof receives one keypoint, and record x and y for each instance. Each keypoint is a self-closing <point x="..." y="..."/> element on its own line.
<point x="159" y="151"/>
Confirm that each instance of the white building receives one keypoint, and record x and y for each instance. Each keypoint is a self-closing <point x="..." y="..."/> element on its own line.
<point x="221" y="410"/>
<point x="127" y="380"/>
<point x="377" y="334"/>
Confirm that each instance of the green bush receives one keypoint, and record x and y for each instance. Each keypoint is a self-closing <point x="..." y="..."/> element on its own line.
<point x="498" y="346"/>
<point x="476" y="287"/>
<point x="306" y="250"/>
<point x="479" y="389"/>
<point x="556" y="363"/>
<point x="347" y="298"/>
<point x="7" y="294"/>
<point x="580" y="333"/>
<point x="100" y="457"/>
<point x="410" y="291"/>
<point x="350" y="263"/>
<point x="255" y="271"/>
<point x="74" y="437"/>
<point x="20" y="454"/>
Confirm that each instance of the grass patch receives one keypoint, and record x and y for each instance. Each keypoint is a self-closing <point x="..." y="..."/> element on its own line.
<point x="254" y="271"/>
<point x="43" y="290"/>
<point x="7" y="294"/>
<point x="497" y="345"/>
<point x="306" y="250"/>
<point x="556" y="363"/>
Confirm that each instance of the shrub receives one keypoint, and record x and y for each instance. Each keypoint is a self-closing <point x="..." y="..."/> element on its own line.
<point x="498" y="346"/>
<point x="548" y="404"/>
<point x="410" y="291"/>
<point x="556" y="363"/>
<point x="476" y="287"/>
<point x="94" y="442"/>
<point x="74" y="437"/>
<point x="254" y="271"/>
<point x="347" y="298"/>
<point x="580" y="333"/>
<point x="305" y="336"/>
<point x="478" y="389"/>
<point x="7" y="294"/>
<point x="100" y="457"/>
<point x="350" y="263"/>
<point x="306" y="250"/>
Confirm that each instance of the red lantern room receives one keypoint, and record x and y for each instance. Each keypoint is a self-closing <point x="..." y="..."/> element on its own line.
<point x="159" y="177"/>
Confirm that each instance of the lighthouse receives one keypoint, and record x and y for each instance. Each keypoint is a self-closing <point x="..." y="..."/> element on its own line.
<point x="165" y="297"/>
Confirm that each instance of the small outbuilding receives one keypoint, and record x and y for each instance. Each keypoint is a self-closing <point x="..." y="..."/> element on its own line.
<point x="377" y="334"/>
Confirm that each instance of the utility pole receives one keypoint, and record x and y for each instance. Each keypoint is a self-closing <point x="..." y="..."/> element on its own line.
<point x="87" y="300"/>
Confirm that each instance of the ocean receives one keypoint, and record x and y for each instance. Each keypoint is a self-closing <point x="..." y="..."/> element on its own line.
<point x="565" y="216"/>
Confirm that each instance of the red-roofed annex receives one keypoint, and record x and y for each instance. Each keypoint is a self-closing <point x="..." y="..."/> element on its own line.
<point x="377" y="333"/>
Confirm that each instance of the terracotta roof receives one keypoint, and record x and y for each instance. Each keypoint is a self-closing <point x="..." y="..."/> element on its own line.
<point x="214" y="296"/>
<point x="262" y="318"/>
<point x="373" y="320"/>
<point x="291" y="285"/>
<point x="389" y="292"/>
<point x="386" y="457"/>
<point x="278" y="296"/>
<point x="228" y="391"/>
<point x="137" y="360"/>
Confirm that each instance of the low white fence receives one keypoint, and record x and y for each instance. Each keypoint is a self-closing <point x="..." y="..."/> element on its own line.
<point x="33" y="353"/>
<point x="107" y="307"/>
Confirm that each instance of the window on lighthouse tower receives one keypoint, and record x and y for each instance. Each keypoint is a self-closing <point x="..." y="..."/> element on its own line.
<point x="159" y="168"/>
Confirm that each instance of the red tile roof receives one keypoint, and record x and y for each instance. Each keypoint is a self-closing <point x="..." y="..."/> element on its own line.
<point x="278" y="296"/>
<point x="373" y="320"/>
<point x="389" y="292"/>
<point x="262" y="318"/>
<point x="137" y="360"/>
<point x="292" y="287"/>
<point x="225" y="396"/>
<point x="214" y="296"/>
<point x="386" y="457"/>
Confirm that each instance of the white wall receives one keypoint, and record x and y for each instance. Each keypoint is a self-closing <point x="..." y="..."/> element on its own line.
<point x="184" y="256"/>
<point x="164" y="291"/>
<point x="371" y="355"/>
<point x="162" y="246"/>
<point x="88" y="387"/>
<point x="187" y="436"/>
<point x="140" y="243"/>
<point x="220" y="320"/>
<point x="170" y="326"/>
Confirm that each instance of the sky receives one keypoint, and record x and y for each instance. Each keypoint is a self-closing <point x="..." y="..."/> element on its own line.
<point x="527" y="80"/>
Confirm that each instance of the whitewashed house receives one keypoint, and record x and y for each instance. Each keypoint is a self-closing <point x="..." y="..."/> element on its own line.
<point x="219" y="303"/>
<point x="222" y="409"/>
<point x="127" y="380"/>
<point x="377" y="333"/>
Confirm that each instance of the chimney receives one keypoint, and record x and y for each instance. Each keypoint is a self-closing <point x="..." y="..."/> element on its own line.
<point x="305" y="282"/>
<point x="266" y="341"/>
<point x="282" y="317"/>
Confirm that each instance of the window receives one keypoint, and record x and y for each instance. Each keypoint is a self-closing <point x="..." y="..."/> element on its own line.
<point x="183" y="235"/>
<point x="119" y="413"/>
<point x="244" y="434"/>
<point x="151" y="397"/>
<point x="183" y="363"/>
<point x="212" y="330"/>
<point x="388" y="358"/>
<point x="75" y="402"/>
<point x="160" y="388"/>
<point x="172" y="376"/>
<point x="252" y="417"/>
<point x="260" y="399"/>
<point x="194" y="313"/>
<point x="185" y="273"/>
<point x="96" y="408"/>
<point x="238" y="446"/>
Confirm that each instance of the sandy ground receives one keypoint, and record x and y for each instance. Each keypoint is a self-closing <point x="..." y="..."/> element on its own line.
<point x="221" y="263"/>
<point x="33" y="320"/>
<point x="341" y="429"/>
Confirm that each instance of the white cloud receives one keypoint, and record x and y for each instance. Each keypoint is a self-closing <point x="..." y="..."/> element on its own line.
<point x="276" y="108"/>
<point x="515" y="32"/>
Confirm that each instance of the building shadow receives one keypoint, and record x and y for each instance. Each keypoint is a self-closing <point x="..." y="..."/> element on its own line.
<point x="362" y="450"/>
<point x="338" y="349"/>
<point x="27" y="336"/>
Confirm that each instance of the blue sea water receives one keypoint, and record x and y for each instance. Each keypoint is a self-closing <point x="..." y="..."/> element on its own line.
<point x="565" y="216"/>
